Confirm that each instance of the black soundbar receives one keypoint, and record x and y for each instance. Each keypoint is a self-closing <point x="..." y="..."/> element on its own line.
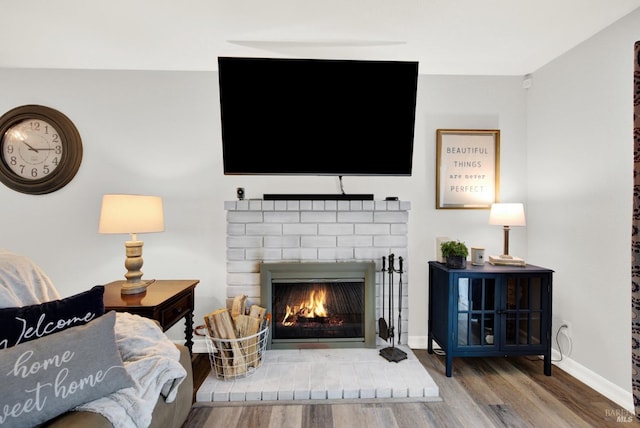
<point x="317" y="197"/>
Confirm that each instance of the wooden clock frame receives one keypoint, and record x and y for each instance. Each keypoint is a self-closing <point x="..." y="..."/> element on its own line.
<point x="69" y="162"/>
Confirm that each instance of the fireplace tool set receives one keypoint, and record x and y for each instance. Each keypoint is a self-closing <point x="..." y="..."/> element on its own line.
<point x="386" y="330"/>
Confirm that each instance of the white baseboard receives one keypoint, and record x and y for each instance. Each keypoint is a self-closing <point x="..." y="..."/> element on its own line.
<point x="610" y="390"/>
<point x="414" y="342"/>
<point x="418" y="342"/>
<point x="199" y="346"/>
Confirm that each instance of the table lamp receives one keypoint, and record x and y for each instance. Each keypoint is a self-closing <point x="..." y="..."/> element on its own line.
<point x="507" y="215"/>
<point x="132" y="214"/>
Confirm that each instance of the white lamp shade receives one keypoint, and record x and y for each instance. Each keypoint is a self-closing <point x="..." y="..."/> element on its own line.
<point x="131" y="214"/>
<point x="507" y="214"/>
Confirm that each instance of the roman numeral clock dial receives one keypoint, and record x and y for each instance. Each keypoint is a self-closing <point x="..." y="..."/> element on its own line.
<point x="40" y="149"/>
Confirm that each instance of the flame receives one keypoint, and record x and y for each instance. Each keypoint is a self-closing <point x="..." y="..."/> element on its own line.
<point x="316" y="304"/>
<point x="313" y="307"/>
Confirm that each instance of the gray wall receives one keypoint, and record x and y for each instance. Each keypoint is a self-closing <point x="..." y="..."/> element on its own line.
<point x="580" y="160"/>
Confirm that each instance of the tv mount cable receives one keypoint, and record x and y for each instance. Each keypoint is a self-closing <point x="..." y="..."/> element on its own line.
<point x="341" y="185"/>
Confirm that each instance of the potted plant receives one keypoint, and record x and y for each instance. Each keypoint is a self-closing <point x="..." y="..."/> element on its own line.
<point x="455" y="253"/>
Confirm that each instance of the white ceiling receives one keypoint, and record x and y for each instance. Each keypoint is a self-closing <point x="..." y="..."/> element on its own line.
<point x="486" y="37"/>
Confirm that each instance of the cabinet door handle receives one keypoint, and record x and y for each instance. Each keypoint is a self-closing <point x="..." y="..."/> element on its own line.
<point x="177" y="310"/>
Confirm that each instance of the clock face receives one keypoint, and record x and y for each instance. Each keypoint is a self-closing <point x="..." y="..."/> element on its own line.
<point x="40" y="149"/>
<point x="32" y="149"/>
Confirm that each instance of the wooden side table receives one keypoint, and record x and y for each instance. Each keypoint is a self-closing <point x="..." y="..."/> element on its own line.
<point x="166" y="301"/>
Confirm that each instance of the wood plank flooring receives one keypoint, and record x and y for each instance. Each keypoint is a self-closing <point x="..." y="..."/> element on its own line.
<point x="483" y="392"/>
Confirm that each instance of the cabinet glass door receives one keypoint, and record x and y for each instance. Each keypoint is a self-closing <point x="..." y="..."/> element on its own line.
<point x="476" y="311"/>
<point x="523" y="311"/>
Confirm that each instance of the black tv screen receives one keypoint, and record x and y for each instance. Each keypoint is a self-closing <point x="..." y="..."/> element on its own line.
<point x="317" y="117"/>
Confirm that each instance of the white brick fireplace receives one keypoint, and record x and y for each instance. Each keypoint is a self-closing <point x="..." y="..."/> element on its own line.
<point x="316" y="231"/>
<point x="319" y="231"/>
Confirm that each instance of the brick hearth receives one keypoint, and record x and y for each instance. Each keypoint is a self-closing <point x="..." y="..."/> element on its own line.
<point x="317" y="375"/>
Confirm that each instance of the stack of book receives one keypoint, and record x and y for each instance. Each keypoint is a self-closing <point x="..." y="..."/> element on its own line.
<point x="506" y="261"/>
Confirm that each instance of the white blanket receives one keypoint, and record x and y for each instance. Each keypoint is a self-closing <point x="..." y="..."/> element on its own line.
<point x="22" y="282"/>
<point x="152" y="360"/>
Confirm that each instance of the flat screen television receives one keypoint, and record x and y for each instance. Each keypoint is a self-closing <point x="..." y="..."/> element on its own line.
<point x="317" y="117"/>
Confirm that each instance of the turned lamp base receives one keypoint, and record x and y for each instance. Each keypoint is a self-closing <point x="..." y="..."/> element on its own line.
<point x="134" y="283"/>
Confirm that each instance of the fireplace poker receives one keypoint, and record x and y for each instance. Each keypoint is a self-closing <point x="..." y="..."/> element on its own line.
<point x="383" y="331"/>
<point x="391" y="353"/>
<point x="400" y="299"/>
<point x="391" y="269"/>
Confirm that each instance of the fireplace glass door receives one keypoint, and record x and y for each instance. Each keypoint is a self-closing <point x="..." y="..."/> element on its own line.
<point x="313" y="311"/>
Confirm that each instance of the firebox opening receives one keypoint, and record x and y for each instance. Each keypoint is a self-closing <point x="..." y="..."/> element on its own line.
<point x="330" y="304"/>
<point x="333" y="310"/>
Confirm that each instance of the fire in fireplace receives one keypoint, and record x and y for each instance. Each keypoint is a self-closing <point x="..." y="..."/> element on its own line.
<point x="328" y="309"/>
<point x="320" y="304"/>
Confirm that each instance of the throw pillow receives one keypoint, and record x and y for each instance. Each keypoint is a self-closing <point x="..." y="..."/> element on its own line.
<point x="31" y="322"/>
<point x="46" y="377"/>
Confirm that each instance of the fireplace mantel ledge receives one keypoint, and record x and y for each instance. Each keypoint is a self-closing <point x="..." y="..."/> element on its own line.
<point x="304" y="205"/>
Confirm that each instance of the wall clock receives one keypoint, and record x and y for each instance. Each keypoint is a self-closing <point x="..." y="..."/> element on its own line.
<point x="40" y="149"/>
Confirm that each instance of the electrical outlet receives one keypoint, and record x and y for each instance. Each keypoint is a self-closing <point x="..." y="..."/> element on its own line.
<point x="565" y="327"/>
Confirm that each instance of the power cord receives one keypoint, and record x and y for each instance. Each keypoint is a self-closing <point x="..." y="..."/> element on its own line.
<point x="341" y="185"/>
<point x="562" y="327"/>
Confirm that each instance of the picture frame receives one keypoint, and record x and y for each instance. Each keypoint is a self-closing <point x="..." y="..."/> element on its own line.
<point x="467" y="168"/>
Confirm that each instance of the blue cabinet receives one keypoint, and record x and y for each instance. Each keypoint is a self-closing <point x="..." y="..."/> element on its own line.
<point x="490" y="311"/>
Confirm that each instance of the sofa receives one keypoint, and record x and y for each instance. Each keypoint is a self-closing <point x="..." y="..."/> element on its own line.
<point x="70" y="364"/>
<point x="170" y="415"/>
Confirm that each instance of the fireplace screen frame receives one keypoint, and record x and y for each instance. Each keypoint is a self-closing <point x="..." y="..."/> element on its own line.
<point x="322" y="272"/>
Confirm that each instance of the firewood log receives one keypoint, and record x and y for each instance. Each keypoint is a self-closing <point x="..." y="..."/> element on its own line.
<point x="249" y="326"/>
<point x="257" y="311"/>
<point x="239" y="306"/>
<point x="224" y="329"/>
<point x="223" y="353"/>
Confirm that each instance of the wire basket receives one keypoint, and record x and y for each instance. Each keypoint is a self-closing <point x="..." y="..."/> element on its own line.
<point x="236" y="358"/>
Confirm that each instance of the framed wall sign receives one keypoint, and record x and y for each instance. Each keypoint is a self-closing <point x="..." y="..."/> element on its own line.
<point x="467" y="168"/>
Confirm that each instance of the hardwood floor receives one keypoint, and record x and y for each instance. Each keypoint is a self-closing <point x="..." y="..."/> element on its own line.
<point x="483" y="392"/>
